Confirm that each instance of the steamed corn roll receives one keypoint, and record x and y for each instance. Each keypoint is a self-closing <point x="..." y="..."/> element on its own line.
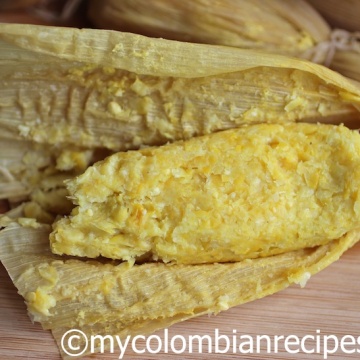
<point x="250" y="192"/>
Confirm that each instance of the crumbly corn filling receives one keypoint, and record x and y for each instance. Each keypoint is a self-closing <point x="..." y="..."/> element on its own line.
<point x="251" y="192"/>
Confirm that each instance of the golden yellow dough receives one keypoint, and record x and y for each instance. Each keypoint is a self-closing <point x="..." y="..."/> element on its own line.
<point x="244" y="193"/>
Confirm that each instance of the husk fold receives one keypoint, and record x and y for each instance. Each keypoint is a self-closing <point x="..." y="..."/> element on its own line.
<point x="296" y="28"/>
<point x="35" y="173"/>
<point x="98" y="88"/>
<point x="115" y="299"/>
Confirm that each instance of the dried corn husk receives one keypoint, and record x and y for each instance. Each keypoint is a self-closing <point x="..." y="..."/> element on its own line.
<point x="23" y="166"/>
<point x="35" y="173"/>
<point x="12" y="168"/>
<point x="342" y="14"/>
<point x="223" y="197"/>
<point x="341" y="53"/>
<point x="347" y="61"/>
<point x="109" y="299"/>
<point x="285" y="26"/>
<point x="26" y="164"/>
<point x="98" y="88"/>
<point x="288" y="27"/>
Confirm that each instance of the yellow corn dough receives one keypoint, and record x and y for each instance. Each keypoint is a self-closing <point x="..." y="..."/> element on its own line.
<point x="252" y="192"/>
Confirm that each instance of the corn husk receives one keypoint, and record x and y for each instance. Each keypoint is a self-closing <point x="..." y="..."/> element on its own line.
<point x="23" y="166"/>
<point x="12" y="168"/>
<point x="278" y="26"/>
<point x="98" y="88"/>
<point x="339" y="14"/>
<point x="347" y="61"/>
<point x="340" y="53"/>
<point x="109" y="298"/>
<point x="35" y="173"/>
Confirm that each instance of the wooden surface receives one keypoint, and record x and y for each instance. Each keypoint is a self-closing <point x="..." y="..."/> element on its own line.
<point x="330" y="302"/>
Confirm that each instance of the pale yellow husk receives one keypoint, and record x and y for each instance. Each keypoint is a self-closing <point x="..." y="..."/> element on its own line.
<point x="290" y="27"/>
<point x="280" y="26"/>
<point x="115" y="299"/>
<point x="35" y="174"/>
<point x="347" y="62"/>
<point x="98" y="88"/>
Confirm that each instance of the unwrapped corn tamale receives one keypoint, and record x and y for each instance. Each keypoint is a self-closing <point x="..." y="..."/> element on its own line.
<point x="250" y="192"/>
